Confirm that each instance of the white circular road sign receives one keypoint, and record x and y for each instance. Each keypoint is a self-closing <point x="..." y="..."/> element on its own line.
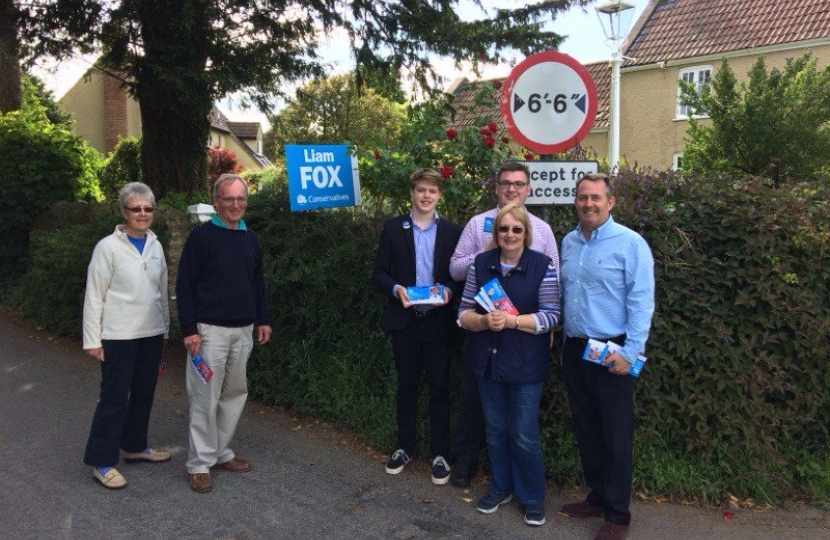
<point x="549" y="102"/>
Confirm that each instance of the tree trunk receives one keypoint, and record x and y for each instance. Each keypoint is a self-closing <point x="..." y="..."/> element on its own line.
<point x="174" y="95"/>
<point x="10" y="98"/>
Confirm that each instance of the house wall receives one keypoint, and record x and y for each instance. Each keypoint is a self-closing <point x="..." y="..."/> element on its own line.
<point x="85" y="101"/>
<point x="242" y="155"/>
<point x="650" y="133"/>
<point x="101" y="111"/>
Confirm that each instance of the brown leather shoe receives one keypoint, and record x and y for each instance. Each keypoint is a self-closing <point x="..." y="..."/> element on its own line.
<point x="612" y="531"/>
<point x="582" y="509"/>
<point x="200" y="482"/>
<point x="237" y="464"/>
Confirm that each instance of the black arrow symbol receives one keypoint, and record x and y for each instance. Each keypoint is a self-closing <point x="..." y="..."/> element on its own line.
<point x="517" y="102"/>
<point x="580" y="104"/>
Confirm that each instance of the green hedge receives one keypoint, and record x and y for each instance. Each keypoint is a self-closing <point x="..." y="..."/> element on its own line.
<point x="732" y="400"/>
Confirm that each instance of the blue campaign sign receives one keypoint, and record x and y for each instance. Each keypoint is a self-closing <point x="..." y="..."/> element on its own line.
<point x="321" y="176"/>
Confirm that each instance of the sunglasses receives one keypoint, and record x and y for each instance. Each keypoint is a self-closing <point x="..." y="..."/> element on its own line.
<point x="137" y="209"/>
<point x="504" y="229"/>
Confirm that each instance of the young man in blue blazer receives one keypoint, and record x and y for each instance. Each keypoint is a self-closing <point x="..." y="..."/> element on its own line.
<point x="415" y="250"/>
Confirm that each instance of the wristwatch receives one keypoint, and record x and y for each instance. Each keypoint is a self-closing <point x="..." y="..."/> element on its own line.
<point x="516" y="326"/>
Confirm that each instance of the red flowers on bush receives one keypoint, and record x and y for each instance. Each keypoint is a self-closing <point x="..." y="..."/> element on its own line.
<point x="493" y="127"/>
<point x="505" y="140"/>
<point x="488" y="141"/>
<point x="377" y="155"/>
<point x="446" y="171"/>
<point x="529" y="156"/>
<point x="452" y="134"/>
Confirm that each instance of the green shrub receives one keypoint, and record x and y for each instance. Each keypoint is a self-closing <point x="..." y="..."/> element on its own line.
<point x="123" y="165"/>
<point x="50" y="164"/>
<point x="51" y="291"/>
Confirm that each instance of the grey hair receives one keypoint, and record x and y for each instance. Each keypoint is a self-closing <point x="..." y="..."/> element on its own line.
<point x="136" y="189"/>
<point x="227" y="178"/>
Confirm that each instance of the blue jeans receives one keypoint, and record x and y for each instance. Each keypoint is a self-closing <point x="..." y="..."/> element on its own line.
<point x="511" y="416"/>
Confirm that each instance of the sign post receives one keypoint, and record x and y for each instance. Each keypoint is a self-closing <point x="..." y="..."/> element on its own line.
<point x="321" y="176"/>
<point x="549" y="102"/>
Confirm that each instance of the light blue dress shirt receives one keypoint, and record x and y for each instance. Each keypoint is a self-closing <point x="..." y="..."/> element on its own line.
<point x="608" y="286"/>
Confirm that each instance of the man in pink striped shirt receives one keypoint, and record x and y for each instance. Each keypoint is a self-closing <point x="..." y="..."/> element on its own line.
<point x="513" y="185"/>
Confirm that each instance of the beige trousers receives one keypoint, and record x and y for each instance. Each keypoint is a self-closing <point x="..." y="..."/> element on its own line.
<point x="215" y="407"/>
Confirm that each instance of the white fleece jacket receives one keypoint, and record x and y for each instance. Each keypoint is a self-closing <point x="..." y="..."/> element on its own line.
<point x="126" y="291"/>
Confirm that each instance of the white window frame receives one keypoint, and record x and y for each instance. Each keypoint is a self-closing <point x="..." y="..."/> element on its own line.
<point x="675" y="161"/>
<point x="699" y="75"/>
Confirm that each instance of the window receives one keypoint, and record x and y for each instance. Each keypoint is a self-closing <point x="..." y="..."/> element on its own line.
<point x="697" y="76"/>
<point x="677" y="161"/>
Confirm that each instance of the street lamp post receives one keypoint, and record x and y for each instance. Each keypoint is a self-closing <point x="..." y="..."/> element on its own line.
<point x="615" y="16"/>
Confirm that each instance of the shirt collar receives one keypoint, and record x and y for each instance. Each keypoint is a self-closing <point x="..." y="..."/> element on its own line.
<point x="599" y="231"/>
<point x="219" y="223"/>
<point x="434" y="220"/>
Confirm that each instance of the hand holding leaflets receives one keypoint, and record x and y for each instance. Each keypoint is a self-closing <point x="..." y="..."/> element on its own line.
<point x="430" y="295"/>
<point x="493" y="298"/>
<point x="597" y="352"/>
<point x="200" y="366"/>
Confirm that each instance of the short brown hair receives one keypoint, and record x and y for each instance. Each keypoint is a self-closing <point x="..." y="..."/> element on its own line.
<point x="430" y="176"/>
<point x="596" y="177"/>
<point x="510" y="166"/>
<point x="517" y="212"/>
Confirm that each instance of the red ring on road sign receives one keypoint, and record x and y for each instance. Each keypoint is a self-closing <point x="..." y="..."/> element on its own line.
<point x="506" y="97"/>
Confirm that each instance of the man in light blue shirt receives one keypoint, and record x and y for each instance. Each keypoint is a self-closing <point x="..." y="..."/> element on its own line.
<point x="608" y="295"/>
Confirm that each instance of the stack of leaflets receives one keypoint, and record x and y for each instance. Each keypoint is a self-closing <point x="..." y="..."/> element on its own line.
<point x="597" y="351"/>
<point x="492" y="297"/>
<point x="431" y="294"/>
<point x="200" y="366"/>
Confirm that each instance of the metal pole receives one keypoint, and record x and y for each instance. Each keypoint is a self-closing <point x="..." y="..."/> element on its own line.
<point x="614" y="128"/>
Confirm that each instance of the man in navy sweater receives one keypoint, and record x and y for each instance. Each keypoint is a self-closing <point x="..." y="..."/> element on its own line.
<point x="221" y="301"/>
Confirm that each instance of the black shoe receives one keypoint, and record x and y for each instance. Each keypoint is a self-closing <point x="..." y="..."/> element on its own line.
<point x="462" y="474"/>
<point x="440" y="471"/>
<point x="398" y="461"/>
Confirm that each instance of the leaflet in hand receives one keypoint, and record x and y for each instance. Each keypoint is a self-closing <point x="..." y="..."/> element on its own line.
<point x="200" y="366"/>
<point x="492" y="294"/>
<point x="432" y="294"/>
<point x="597" y="351"/>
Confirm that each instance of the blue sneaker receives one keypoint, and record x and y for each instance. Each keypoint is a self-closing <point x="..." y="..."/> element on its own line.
<point x="491" y="502"/>
<point x="397" y="462"/>
<point x="440" y="471"/>
<point x="535" y="514"/>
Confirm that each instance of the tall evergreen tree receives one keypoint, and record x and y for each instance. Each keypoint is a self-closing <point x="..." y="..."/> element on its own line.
<point x="178" y="56"/>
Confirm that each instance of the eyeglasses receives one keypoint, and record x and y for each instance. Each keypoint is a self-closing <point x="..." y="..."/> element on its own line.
<point x="504" y="229"/>
<point x="137" y="209"/>
<point x="516" y="185"/>
<point x="241" y="201"/>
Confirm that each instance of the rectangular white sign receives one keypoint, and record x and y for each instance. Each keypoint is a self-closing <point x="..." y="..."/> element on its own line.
<point x="554" y="182"/>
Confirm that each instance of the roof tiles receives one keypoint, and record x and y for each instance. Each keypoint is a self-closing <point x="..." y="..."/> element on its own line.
<point x="678" y="29"/>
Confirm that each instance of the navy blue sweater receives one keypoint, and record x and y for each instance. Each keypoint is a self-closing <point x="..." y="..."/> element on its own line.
<point x="220" y="280"/>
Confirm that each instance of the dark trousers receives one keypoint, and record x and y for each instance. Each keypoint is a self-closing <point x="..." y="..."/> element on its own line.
<point x="602" y="405"/>
<point x="469" y="426"/>
<point x="129" y="374"/>
<point x="423" y="347"/>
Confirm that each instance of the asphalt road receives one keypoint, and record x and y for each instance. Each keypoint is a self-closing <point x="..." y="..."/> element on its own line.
<point x="310" y="480"/>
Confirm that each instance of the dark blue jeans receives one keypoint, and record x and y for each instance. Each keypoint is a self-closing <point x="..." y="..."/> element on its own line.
<point x="511" y="417"/>
<point x="129" y="374"/>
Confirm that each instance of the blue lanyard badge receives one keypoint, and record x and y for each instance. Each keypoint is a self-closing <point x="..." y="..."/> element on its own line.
<point x="488" y="225"/>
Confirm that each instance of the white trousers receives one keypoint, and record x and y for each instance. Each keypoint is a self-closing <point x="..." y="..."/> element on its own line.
<point x="215" y="407"/>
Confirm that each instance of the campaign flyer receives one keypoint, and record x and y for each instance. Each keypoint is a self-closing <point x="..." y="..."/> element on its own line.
<point x="200" y="366"/>
<point x="432" y="294"/>
<point x="495" y="292"/>
<point x="638" y="364"/>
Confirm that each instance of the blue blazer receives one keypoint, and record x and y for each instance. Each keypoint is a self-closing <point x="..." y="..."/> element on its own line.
<point x="395" y="264"/>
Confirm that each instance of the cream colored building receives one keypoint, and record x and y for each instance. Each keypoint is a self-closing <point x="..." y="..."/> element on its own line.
<point x="103" y="112"/>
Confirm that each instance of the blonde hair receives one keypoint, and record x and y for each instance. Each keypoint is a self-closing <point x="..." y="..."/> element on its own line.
<point x="517" y="212"/>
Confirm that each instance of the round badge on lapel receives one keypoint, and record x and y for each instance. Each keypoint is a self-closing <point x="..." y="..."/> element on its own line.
<point x="407" y="225"/>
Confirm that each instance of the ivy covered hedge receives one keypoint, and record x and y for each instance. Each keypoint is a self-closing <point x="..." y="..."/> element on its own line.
<point x="734" y="396"/>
